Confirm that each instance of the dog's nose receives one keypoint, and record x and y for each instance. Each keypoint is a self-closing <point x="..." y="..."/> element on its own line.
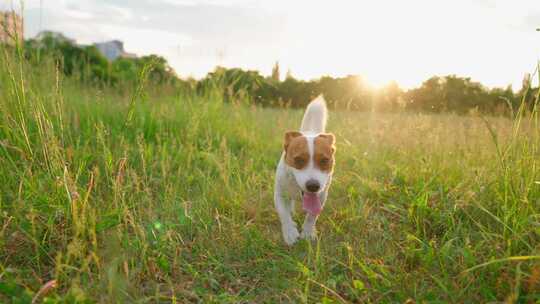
<point x="312" y="185"/>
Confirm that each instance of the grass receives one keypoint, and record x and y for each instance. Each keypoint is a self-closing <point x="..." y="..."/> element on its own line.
<point x="153" y="198"/>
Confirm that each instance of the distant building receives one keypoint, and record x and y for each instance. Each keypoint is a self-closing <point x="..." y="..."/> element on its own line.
<point x="113" y="49"/>
<point x="11" y="28"/>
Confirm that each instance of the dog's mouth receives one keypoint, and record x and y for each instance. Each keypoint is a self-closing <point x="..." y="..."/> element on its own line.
<point x="311" y="203"/>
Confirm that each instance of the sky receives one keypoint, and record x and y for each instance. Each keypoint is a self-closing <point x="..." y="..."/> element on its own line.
<point x="491" y="41"/>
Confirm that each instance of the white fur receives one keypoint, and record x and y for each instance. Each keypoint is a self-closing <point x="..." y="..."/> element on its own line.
<point x="314" y="120"/>
<point x="290" y="182"/>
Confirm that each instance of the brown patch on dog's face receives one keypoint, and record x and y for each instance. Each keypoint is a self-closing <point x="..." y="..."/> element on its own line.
<point x="324" y="151"/>
<point x="296" y="150"/>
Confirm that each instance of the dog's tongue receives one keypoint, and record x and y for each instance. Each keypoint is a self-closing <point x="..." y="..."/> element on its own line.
<point x="312" y="203"/>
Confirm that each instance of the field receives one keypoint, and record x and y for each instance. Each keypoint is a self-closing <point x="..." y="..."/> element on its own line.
<point x="156" y="196"/>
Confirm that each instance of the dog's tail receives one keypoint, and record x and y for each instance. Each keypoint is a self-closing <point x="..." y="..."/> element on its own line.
<point x="315" y="117"/>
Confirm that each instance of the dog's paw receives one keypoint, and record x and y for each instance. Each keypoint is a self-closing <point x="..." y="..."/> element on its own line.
<point x="290" y="235"/>
<point x="309" y="234"/>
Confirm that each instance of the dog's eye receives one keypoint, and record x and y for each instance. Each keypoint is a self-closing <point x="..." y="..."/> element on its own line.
<point x="299" y="161"/>
<point x="324" y="161"/>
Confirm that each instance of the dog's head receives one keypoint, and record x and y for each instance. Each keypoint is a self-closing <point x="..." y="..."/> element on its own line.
<point x="311" y="158"/>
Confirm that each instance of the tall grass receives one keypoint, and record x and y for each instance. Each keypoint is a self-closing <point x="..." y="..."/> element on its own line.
<point x="148" y="197"/>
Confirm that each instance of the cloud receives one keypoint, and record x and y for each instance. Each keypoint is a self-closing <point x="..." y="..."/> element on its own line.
<point x="532" y="21"/>
<point x="205" y="20"/>
<point x="207" y="2"/>
<point x="145" y="41"/>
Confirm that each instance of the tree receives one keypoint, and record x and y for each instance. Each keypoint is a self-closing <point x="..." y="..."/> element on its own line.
<point x="84" y="62"/>
<point x="89" y="64"/>
<point x="275" y="72"/>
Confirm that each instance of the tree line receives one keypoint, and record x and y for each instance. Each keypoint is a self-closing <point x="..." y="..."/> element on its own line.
<point x="438" y="94"/>
<point x="90" y="66"/>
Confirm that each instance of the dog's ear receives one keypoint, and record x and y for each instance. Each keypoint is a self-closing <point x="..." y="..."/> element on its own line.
<point x="330" y="138"/>
<point x="290" y="136"/>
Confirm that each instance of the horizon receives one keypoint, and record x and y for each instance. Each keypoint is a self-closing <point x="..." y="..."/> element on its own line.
<point x="493" y="43"/>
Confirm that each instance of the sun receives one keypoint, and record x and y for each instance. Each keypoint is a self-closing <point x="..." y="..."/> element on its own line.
<point x="377" y="81"/>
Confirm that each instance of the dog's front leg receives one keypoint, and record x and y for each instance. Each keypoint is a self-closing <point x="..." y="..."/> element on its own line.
<point x="288" y="226"/>
<point x="308" y="229"/>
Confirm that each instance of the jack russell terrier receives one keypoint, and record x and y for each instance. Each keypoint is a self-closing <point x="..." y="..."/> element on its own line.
<point x="305" y="172"/>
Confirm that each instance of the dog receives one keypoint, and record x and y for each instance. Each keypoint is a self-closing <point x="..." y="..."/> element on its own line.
<point x="305" y="172"/>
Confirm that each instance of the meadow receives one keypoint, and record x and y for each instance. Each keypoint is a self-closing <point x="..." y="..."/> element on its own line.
<point x="158" y="196"/>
